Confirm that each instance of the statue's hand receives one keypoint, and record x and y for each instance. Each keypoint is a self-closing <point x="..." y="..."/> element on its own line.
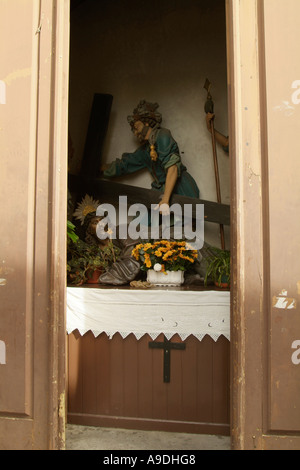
<point x="209" y="117"/>
<point x="163" y="206"/>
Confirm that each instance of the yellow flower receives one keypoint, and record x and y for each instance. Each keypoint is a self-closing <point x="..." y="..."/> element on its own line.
<point x="148" y="260"/>
<point x="168" y="254"/>
<point x="186" y="257"/>
<point x="146" y="246"/>
<point x="158" y="253"/>
<point x="135" y="253"/>
<point x="138" y="247"/>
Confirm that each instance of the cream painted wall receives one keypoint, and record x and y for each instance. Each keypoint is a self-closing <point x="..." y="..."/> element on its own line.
<point x="159" y="51"/>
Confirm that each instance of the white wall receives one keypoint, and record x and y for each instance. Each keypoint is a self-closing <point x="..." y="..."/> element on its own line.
<point x="160" y="51"/>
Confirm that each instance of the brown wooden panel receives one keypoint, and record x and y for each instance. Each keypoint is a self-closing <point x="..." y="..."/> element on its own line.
<point x="16" y="189"/>
<point x="158" y="390"/>
<point x="174" y="388"/>
<point x="282" y="202"/>
<point x="130" y="374"/>
<point x="145" y="378"/>
<point x="117" y="375"/>
<point x="126" y="377"/>
<point x="204" y="380"/>
<point x="221" y="379"/>
<point x="74" y="373"/>
<point x="190" y="380"/>
<point x="89" y="377"/>
<point x="103" y="373"/>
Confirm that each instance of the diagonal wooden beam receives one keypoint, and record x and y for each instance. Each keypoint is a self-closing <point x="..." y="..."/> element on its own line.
<point x="109" y="192"/>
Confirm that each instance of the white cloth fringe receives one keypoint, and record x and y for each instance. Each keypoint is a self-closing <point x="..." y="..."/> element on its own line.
<point x="151" y="312"/>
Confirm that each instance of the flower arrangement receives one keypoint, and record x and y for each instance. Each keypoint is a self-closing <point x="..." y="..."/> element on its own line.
<point x="165" y="255"/>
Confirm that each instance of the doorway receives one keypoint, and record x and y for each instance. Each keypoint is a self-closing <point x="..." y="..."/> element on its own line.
<point x="163" y="56"/>
<point x="264" y="411"/>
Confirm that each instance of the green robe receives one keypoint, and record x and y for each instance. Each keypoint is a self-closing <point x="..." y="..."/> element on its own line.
<point x="168" y="155"/>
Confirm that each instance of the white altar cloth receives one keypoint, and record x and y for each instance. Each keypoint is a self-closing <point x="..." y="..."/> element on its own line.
<point x="186" y="313"/>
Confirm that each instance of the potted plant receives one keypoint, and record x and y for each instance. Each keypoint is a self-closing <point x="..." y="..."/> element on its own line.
<point x="95" y="263"/>
<point x="218" y="268"/>
<point x="165" y="261"/>
<point x="86" y="262"/>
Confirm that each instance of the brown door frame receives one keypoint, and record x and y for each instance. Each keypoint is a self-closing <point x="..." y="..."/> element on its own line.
<point x="251" y="379"/>
<point x="245" y="88"/>
<point x="58" y="219"/>
<point x="34" y="158"/>
<point x="51" y="212"/>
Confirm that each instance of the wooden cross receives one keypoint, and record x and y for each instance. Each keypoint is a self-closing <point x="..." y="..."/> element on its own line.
<point x="166" y="345"/>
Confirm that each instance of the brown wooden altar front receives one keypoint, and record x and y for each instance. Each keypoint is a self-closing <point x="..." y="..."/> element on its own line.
<point x="120" y="383"/>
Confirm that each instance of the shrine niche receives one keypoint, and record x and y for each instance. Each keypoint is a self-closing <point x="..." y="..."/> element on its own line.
<point x="141" y="355"/>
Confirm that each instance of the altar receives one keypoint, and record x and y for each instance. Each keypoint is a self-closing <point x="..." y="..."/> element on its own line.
<point x="155" y="359"/>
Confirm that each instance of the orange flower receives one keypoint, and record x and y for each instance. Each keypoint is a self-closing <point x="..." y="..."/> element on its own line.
<point x="148" y="260"/>
<point x="186" y="257"/>
<point x="168" y="254"/>
<point x="158" y="253"/>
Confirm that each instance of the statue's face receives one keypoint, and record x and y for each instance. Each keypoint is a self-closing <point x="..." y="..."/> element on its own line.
<point x="140" y="131"/>
<point x="93" y="225"/>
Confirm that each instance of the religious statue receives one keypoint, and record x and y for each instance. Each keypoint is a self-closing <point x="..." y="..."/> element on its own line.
<point x="159" y="153"/>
